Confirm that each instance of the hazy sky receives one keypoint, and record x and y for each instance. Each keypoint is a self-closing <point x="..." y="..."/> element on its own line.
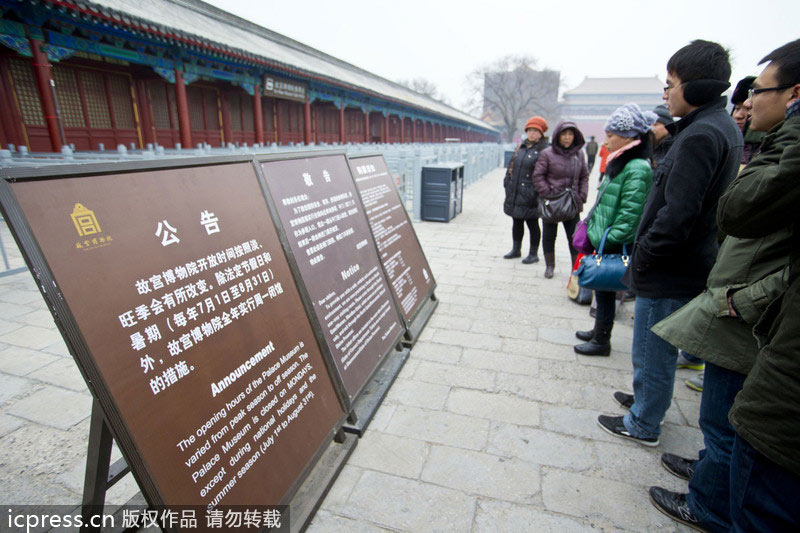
<point x="444" y="40"/>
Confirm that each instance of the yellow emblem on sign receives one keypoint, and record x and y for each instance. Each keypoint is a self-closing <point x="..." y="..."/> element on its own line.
<point x="85" y="221"/>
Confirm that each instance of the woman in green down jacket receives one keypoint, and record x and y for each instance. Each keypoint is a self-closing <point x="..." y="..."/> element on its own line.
<point x="621" y="200"/>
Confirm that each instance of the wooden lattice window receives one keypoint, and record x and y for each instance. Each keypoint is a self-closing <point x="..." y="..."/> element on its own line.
<point x="268" y="114"/>
<point x="94" y="91"/>
<point x="212" y="112"/>
<point x="160" y="103"/>
<point x="68" y="97"/>
<point x="247" y="113"/>
<point x="27" y="94"/>
<point x="194" y="96"/>
<point x="291" y="116"/>
<point x="236" y="111"/>
<point x="120" y="89"/>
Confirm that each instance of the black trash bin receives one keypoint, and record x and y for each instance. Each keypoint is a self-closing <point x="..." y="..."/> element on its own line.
<point x="440" y="196"/>
<point x="460" y="190"/>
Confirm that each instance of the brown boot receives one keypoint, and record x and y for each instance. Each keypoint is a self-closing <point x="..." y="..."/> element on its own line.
<point x="550" y="264"/>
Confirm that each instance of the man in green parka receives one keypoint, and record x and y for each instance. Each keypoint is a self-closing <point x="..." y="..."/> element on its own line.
<point x="751" y="272"/>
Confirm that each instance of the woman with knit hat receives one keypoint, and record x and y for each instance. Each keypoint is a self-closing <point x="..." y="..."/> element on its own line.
<point x="623" y="193"/>
<point x="561" y="167"/>
<point x="521" y="199"/>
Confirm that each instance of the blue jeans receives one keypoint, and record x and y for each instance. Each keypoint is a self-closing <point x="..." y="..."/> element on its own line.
<point x="709" y="498"/>
<point x="654" y="361"/>
<point x="763" y="494"/>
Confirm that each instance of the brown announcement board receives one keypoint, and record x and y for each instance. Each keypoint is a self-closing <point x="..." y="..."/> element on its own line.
<point x="177" y="282"/>
<point x="400" y="252"/>
<point x="328" y="234"/>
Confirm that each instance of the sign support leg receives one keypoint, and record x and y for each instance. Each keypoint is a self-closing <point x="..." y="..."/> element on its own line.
<point x="101" y="475"/>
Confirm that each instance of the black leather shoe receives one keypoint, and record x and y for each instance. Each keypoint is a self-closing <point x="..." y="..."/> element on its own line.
<point x="585" y="335"/>
<point x="677" y="465"/>
<point x="673" y="504"/>
<point x="530" y="259"/>
<point x="593" y="348"/>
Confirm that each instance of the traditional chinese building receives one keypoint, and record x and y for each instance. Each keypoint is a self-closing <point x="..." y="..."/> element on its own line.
<point x="591" y="103"/>
<point x="183" y="72"/>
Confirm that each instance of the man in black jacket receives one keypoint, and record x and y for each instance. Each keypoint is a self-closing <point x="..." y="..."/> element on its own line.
<point x="676" y="243"/>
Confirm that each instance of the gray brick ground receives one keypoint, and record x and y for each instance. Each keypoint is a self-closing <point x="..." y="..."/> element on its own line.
<point x="40" y="407"/>
<point x="501" y="516"/>
<point x="409" y="505"/>
<point x="482" y="474"/>
<point x="490" y="426"/>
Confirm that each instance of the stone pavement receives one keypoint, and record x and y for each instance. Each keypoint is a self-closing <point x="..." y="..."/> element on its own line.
<point x="491" y="425"/>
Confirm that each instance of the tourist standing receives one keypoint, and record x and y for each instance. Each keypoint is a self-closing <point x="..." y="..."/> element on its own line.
<point x="521" y="201"/>
<point x="561" y="167"/>
<point x="621" y="199"/>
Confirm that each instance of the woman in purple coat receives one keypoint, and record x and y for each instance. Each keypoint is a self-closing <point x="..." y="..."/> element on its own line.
<point x="559" y="167"/>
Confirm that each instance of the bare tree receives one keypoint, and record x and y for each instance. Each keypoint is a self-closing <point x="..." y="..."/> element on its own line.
<point x="426" y="87"/>
<point x="509" y="90"/>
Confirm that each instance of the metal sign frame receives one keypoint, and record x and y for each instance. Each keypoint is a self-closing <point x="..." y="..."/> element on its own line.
<point x="352" y="406"/>
<point x="419" y="318"/>
<point x="77" y="344"/>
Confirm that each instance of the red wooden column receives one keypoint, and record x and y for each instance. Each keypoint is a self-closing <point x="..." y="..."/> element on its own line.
<point x="259" y="114"/>
<point x="366" y="126"/>
<point x="386" y="128"/>
<point x="145" y="113"/>
<point x="227" y="130"/>
<point x="276" y="109"/>
<point x="184" y="125"/>
<point x="342" y="138"/>
<point x="46" y="86"/>
<point x="307" y="121"/>
<point x="402" y="129"/>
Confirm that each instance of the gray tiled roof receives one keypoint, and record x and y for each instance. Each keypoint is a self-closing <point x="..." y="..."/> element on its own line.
<point x="618" y="86"/>
<point x="202" y="22"/>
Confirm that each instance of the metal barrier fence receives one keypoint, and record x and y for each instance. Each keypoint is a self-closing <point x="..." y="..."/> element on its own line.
<point x="405" y="162"/>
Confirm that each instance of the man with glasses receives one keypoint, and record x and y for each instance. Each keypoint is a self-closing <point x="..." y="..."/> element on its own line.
<point x="748" y="276"/>
<point x="676" y="243"/>
<point x="765" y="461"/>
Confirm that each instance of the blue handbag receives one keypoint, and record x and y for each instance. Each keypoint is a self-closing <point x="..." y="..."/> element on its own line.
<point x="603" y="272"/>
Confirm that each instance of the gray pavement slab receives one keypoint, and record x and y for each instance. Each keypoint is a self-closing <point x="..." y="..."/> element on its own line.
<point x="54" y="407"/>
<point x="490" y="425"/>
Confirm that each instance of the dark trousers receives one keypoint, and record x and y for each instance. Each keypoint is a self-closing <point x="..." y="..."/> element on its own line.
<point x="550" y="230"/>
<point x="709" y="497"/>
<point x="518" y="230"/>
<point x="764" y="496"/>
<point x="606" y="308"/>
<point x="590" y="162"/>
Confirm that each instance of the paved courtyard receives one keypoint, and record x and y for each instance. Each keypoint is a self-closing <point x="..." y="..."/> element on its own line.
<point x="491" y="425"/>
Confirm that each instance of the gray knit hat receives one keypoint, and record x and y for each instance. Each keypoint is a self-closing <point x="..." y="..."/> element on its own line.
<point x="663" y="115"/>
<point x="630" y="121"/>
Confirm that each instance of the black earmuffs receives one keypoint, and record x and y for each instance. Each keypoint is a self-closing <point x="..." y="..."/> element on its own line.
<point x="701" y="92"/>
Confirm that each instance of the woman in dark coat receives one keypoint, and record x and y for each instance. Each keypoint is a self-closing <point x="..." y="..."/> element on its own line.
<point x="561" y="166"/>
<point x="521" y="198"/>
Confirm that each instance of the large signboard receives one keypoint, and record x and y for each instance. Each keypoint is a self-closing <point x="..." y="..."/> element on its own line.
<point x="282" y="88"/>
<point x="399" y="250"/>
<point x="196" y="339"/>
<point x="321" y="215"/>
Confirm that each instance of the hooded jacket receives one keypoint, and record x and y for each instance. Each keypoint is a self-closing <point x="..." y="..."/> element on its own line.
<point x="559" y="168"/>
<point x="676" y="244"/>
